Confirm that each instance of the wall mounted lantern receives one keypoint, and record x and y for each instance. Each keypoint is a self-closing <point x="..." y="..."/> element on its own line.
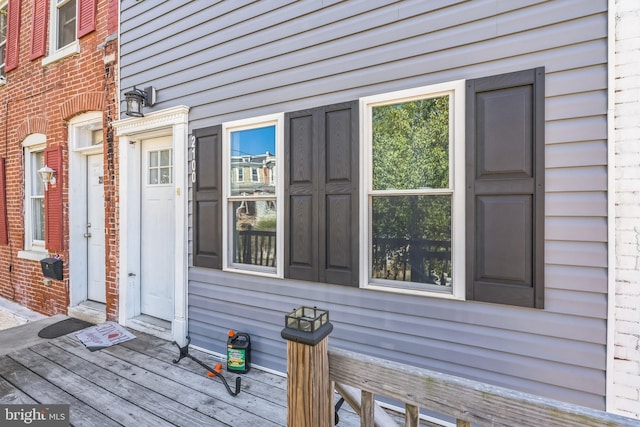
<point x="47" y="175"/>
<point x="137" y="98"/>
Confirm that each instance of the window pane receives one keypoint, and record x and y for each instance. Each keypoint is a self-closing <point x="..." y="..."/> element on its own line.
<point x="255" y="149"/>
<point x="153" y="176"/>
<point x="153" y="158"/>
<point x="37" y="187"/>
<point x="165" y="158"/>
<point x="3" y="37"/>
<point x="160" y="167"/>
<point x="3" y="24"/>
<point x="37" y="212"/>
<point x="66" y="23"/>
<point x="411" y="145"/>
<point x="165" y="175"/>
<point x="254" y="232"/>
<point x="411" y="239"/>
<point x="96" y="137"/>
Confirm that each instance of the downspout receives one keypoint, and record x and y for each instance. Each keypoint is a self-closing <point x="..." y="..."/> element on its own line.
<point x="610" y="398"/>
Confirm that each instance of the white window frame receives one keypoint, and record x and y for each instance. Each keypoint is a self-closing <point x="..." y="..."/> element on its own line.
<point x="240" y="172"/>
<point x="33" y="249"/>
<point x="276" y="120"/>
<point x="70" y="49"/>
<point x="456" y="91"/>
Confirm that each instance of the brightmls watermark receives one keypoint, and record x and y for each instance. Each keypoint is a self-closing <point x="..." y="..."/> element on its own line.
<point x="34" y="415"/>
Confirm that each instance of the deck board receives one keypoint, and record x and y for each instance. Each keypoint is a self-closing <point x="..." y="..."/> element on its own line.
<point x="193" y="389"/>
<point x="147" y="399"/>
<point x="39" y="390"/>
<point x="9" y="395"/>
<point x="136" y="383"/>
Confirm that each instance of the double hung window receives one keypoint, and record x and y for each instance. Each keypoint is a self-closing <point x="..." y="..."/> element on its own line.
<point x="414" y="199"/>
<point x="64" y="23"/>
<point x="253" y="228"/>
<point x="34" y="219"/>
<point x="62" y="29"/>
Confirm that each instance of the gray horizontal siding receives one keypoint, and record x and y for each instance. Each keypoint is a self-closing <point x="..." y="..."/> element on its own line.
<point x="237" y="59"/>
<point x="576" y="204"/>
<point x="307" y="57"/>
<point x="468" y="342"/>
<point x="584" y="153"/>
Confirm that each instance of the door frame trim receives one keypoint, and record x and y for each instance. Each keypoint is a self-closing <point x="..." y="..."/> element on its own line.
<point x="78" y="205"/>
<point x="172" y="122"/>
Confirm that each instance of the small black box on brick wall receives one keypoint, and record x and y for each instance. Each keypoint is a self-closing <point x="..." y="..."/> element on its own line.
<point x="52" y="268"/>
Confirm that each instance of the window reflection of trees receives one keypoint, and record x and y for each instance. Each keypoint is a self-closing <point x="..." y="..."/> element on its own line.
<point x="411" y="233"/>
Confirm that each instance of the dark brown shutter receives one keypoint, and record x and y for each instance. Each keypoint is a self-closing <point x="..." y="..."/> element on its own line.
<point x="207" y="193"/>
<point x="321" y="205"/>
<point x="54" y="232"/>
<point x="39" y="28"/>
<point x="86" y="17"/>
<point x="301" y="201"/>
<point x="505" y="188"/>
<point x="13" y="35"/>
<point x="4" y="230"/>
<point x="339" y="194"/>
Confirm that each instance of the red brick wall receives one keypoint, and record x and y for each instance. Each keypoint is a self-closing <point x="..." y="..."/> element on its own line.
<point x="40" y="99"/>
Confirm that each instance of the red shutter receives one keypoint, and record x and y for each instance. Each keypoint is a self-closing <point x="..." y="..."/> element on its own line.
<point x="54" y="235"/>
<point x="86" y="17"/>
<point x="4" y="231"/>
<point x="13" y="35"/>
<point x="39" y="28"/>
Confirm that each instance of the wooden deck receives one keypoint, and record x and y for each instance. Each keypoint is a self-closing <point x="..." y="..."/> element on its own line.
<point x="136" y="384"/>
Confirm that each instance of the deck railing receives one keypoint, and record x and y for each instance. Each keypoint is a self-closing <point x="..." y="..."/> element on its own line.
<point x="469" y="402"/>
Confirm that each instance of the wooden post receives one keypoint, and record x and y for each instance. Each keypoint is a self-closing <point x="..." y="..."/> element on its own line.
<point x="309" y="390"/>
<point x="367" y="411"/>
<point x="412" y="416"/>
<point x="309" y="396"/>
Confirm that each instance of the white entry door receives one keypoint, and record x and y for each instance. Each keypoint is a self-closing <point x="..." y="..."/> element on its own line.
<point x="157" y="228"/>
<point x="95" y="229"/>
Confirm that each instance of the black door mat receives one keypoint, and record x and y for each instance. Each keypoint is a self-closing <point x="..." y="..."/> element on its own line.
<point x="63" y="327"/>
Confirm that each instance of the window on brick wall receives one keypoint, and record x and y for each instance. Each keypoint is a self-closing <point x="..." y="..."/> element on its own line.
<point x="69" y="20"/>
<point x="64" y="23"/>
<point x="34" y="219"/>
<point x="3" y="39"/>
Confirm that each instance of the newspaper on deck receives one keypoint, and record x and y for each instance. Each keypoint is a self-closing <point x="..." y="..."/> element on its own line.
<point x="104" y="335"/>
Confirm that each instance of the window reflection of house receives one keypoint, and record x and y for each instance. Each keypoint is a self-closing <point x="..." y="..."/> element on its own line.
<point x="261" y="168"/>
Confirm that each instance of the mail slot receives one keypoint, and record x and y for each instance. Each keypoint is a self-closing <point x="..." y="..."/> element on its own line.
<point x="52" y="268"/>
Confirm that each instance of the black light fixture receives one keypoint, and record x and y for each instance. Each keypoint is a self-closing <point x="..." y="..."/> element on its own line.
<point x="137" y="98"/>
